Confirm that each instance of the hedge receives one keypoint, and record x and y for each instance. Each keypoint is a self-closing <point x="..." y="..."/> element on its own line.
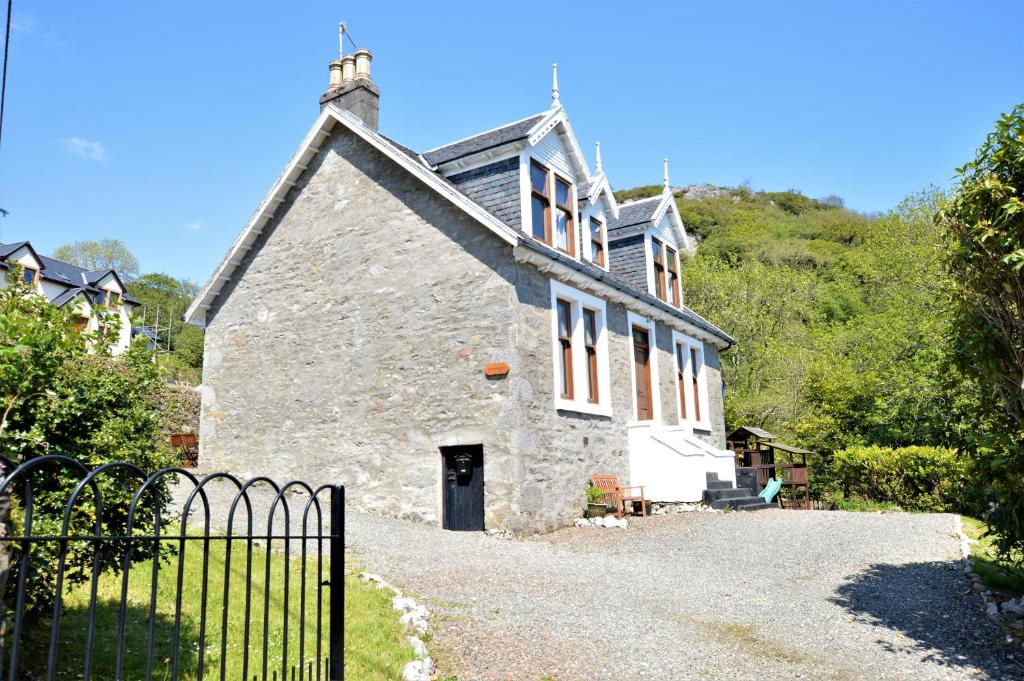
<point x="914" y="478"/>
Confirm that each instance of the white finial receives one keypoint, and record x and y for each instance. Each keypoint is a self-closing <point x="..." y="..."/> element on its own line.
<point x="597" y="162"/>
<point x="554" y="84"/>
<point x="666" y="175"/>
<point x="341" y="39"/>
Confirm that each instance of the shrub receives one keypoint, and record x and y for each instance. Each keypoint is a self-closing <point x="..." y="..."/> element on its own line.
<point x="914" y="478"/>
<point x="59" y="399"/>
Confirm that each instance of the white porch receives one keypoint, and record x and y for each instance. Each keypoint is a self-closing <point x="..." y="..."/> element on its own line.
<point x="671" y="462"/>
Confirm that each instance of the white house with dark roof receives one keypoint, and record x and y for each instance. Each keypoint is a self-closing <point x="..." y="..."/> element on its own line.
<point x="94" y="295"/>
<point x="475" y="329"/>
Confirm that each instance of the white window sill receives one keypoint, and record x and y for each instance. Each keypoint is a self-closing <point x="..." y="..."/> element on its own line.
<point x="583" y="407"/>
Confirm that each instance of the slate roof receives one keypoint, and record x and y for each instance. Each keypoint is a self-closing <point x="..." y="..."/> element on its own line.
<point x="65" y="273"/>
<point x="7" y="249"/>
<point x="67" y="296"/>
<point x="485" y="140"/>
<point x="636" y="213"/>
<point x="629" y="214"/>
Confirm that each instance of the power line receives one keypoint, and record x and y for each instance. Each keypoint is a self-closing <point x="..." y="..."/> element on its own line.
<point x="3" y="85"/>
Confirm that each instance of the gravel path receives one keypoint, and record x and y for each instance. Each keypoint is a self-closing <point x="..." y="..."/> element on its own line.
<point x="773" y="594"/>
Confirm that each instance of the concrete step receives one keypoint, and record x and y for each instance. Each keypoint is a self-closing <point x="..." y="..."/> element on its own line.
<point x="716" y="494"/>
<point x="719" y="484"/>
<point x="736" y="502"/>
<point x="755" y="507"/>
<point x="711" y="477"/>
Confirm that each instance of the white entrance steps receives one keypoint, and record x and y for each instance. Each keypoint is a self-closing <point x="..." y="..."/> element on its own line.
<point x="671" y="462"/>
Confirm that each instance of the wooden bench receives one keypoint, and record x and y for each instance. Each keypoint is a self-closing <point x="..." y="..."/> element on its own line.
<point x="616" y="495"/>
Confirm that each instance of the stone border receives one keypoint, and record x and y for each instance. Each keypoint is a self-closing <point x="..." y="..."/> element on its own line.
<point x="414" y="620"/>
<point x="1008" y="613"/>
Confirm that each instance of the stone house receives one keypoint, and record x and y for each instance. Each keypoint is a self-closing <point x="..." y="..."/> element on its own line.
<point x="461" y="336"/>
<point x="96" y="296"/>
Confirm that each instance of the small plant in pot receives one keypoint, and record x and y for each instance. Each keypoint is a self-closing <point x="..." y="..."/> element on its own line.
<point x="596" y="507"/>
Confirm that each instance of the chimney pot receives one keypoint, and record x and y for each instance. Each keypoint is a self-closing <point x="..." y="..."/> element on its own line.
<point x="348" y="68"/>
<point x="363" y="59"/>
<point x="335" y="82"/>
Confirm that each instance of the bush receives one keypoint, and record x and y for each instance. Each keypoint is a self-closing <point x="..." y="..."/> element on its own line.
<point x="58" y="398"/>
<point x="914" y="478"/>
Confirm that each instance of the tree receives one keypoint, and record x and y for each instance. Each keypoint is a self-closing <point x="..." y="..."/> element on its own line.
<point x="172" y="297"/>
<point x="984" y="220"/>
<point x="100" y="255"/>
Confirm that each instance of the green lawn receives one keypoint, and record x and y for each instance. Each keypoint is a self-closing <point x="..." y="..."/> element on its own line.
<point x="994" y="573"/>
<point x="375" y="648"/>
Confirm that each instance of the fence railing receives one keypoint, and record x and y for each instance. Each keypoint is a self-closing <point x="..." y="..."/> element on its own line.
<point x="116" y="573"/>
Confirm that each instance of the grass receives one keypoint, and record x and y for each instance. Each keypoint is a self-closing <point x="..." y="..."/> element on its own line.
<point x="994" y="573"/>
<point x="860" y="504"/>
<point x="375" y="648"/>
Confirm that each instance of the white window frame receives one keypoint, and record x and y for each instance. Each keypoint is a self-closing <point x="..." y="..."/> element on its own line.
<point x="633" y="319"/>
<point x="588" y="215"/>
<point x="689" y="343"/>
<point x="526" y="159"/>
<point x="579" y="300"/>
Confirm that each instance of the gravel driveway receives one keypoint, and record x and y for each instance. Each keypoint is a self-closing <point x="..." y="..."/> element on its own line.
<point x="772" y="594"/>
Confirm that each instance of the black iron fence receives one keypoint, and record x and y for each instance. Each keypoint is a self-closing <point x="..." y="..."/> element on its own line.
<point x="115" y="573"/>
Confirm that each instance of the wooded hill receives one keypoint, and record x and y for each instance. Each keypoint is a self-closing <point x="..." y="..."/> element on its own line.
<point x="839" y="316"/>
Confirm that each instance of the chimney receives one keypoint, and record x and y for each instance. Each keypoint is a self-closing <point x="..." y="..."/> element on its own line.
<point x="351" y="87"/>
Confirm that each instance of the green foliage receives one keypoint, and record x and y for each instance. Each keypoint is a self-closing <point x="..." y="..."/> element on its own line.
<point x="60" y="399"/>
<point x="913" y="478"/>
<point x="984" y="220"/>
<point x="840" y="321"/>
<point x="594" y="494"/>
<point x="100" y="255"/>
<point x="1005" y="574"/>
<point x="636" y="193"/>
<point x="172" y="297"/>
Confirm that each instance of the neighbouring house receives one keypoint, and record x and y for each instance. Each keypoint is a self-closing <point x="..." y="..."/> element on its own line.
<point x="461" y="335"/>
<point x="97" y="296"/>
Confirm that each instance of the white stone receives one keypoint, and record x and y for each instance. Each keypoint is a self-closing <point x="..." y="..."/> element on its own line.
<point x="660" y="511"/>
<point x="415" y="621"/>
<point x="403" y="604"/>
<point x="370" y="577"/>
<point x="992" y="610"/>
<point x="419" y="648"/>
<point x="416" y="671"/>
<point x="1014" y="608"/>
<point x="581" y="522"/>
<point x="610" y="521"/>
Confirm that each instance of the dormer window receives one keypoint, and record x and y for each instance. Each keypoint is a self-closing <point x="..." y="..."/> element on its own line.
<point x="101" y="298"/>
<point x="666" y="273"/>
<point x="559" y="232"/>
<point x="597" y="241"/>
<point x="30" y="276"/>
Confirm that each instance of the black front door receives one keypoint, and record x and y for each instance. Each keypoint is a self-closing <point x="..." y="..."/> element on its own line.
<point x="463" y="487"/>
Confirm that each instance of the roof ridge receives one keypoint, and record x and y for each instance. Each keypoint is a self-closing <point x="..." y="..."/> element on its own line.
<point x="484" y="132"/>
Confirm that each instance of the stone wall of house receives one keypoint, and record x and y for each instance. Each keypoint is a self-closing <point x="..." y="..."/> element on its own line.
<point x="350" y="344"/>
<point x="560" y="450"/>
<point x="668" y="387"/>
<point x="713" y="368"/>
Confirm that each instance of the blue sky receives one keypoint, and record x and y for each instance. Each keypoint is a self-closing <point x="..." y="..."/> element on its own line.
<point x="164" y="124"/>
